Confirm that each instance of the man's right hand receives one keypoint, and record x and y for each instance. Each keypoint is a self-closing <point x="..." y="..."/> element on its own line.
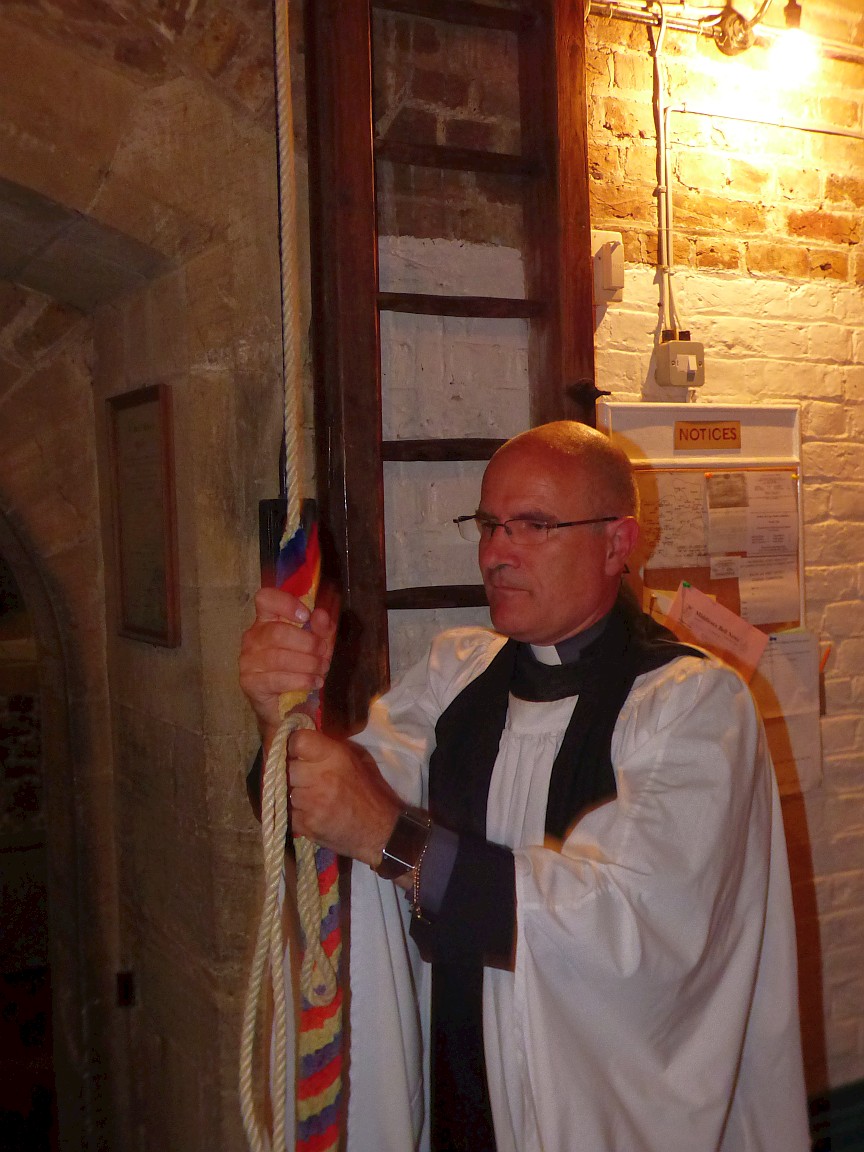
<point x="278" y="654"/>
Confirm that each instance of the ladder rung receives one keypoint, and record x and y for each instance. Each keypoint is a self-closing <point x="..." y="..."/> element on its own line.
<point x="438" y="596"/>
<point x="462" y="12"/>
<point x="490" y="307"/>
<point x="458" y="159"/>
<point x="465" y="448"/>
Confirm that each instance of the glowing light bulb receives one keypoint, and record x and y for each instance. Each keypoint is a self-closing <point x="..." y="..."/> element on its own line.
<point x="794" y="57"/>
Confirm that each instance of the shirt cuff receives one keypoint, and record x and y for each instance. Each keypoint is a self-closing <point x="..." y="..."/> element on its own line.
<point x="476" y="919"/>
<point x="438" y="861"/>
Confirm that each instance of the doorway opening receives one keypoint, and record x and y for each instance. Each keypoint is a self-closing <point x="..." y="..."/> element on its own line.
<point x="27" y="1093"/>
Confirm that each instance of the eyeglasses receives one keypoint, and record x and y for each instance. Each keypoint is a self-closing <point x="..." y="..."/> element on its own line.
<point x="519" y="531"/>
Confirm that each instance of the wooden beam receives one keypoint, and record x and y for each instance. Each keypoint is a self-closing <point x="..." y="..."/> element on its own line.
<point x="343" y="231"/>
<point x="558" y="260"/>
<point x="453" y="159"/>
<point x="431" y="304"/>
<point x="463" y="12"/>
<point x="469" y="448"/>
<point x="438" y="596"/>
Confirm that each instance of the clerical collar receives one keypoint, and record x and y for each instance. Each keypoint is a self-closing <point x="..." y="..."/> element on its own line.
<point x="569" y="650"/>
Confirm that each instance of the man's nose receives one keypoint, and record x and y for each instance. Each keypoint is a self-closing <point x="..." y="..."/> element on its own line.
<point x="496" y="549"/>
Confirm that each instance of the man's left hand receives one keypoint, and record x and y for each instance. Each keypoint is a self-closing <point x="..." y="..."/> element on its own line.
<point x="339" y="798"/>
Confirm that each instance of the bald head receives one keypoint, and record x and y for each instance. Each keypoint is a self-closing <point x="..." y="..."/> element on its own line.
<point x="604" y="470"/>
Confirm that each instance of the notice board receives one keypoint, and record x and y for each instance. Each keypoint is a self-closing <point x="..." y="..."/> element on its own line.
<point x="720" y="491"/>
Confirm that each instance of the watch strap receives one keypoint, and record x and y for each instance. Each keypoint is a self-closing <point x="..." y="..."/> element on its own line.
<point x="406" y="845"/>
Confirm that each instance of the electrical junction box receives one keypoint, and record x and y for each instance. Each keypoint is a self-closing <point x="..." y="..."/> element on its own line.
<point x="607" y="251"/>
<point x="680" y="364"/>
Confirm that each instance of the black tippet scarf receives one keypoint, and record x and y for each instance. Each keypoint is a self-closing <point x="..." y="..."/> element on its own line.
<point x="468" y="734"/>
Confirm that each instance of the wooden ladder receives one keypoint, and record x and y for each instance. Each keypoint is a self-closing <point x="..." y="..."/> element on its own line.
<point x="346" y="302"/>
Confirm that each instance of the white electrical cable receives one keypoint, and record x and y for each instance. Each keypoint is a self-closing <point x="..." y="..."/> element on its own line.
<point x="668" y="311"/>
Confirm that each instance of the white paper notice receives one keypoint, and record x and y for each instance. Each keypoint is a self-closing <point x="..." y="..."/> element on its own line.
<point x="786" y="688"/>
<point x="753" y="512"/>
<point x="768" y="587"/>
<point x="673" y="519"/>
<point x="724" y="567"/>
<point x="696" y="617"/>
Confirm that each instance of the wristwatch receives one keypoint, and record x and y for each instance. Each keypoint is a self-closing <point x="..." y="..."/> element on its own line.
<point x="403" y="850"/>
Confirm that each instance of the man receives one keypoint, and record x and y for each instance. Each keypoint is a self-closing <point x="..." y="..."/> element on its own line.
<point x="601" y="954"/>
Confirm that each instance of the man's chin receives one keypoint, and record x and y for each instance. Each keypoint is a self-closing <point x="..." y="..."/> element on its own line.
<point x="505" y="619"/>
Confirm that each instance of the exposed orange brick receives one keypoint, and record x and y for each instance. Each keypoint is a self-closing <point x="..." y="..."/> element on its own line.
<point x="621" y="202"/>
<point x="784" y="259"/>
<point x="633" y="72"/>
<point x="859" y="268"/>
<point x="640" y="164"/>
<point x="596" y="65"/>
<point x="840" y="112"/>
<point x="619" y="34"/>
<point x="837" y="153"/>
<point x="834" y="227"/>
<point x="700" y="170"/>
<point x="748" y="178"/>
<point x="626" y="118"/>
<point x="604" y="163"/>
<point x="681" y="251"/>
<point x="635" y="248"/>
<point x="716" y="253"/>
<point x="798" y="183"/>
<point x="849" y="188"/>
<point x="649" y="248"/>
<point x="829" y="264"/>
<point x="710" y="212"/>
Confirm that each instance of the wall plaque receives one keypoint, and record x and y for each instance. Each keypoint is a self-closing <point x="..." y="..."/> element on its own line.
<point x="145" y="546"/>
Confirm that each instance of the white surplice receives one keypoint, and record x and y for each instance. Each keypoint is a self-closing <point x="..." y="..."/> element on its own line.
<point x="653" y="1006"/>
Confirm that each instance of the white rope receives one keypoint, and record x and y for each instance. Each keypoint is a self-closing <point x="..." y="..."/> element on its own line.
<point x="269" y="947"/>
<point x="288" y="267"/>
<point x="318" y="975"/>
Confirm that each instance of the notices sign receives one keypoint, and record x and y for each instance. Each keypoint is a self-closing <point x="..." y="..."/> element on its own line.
<point x="707" y="435"/>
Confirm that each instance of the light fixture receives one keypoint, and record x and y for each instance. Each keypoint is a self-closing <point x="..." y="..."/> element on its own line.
<point x="794" y="55"/>
<point x="734" y="33"/>
<point x="792" y="14"/>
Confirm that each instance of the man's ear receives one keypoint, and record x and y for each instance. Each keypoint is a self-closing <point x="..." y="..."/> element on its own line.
<point x="621" y="540"/>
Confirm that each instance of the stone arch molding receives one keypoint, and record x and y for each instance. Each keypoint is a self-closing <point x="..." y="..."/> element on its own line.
<point x="66" y="254"/>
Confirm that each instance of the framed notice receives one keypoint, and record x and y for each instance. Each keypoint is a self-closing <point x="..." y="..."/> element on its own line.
<point x="145" y="545"/>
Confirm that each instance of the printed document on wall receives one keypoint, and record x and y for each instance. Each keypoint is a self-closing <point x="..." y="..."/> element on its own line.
<point x="786" y="688"/>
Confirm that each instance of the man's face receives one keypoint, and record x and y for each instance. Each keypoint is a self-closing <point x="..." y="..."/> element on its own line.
<point x="543" y="593"/>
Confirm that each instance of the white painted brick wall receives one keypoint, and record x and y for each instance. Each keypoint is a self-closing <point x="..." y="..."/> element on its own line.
<point x="780" y="341"/>
<point x="443" y="377"/>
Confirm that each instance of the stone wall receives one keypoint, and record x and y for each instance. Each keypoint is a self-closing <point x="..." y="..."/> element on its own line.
<point x="139" y="156"/>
